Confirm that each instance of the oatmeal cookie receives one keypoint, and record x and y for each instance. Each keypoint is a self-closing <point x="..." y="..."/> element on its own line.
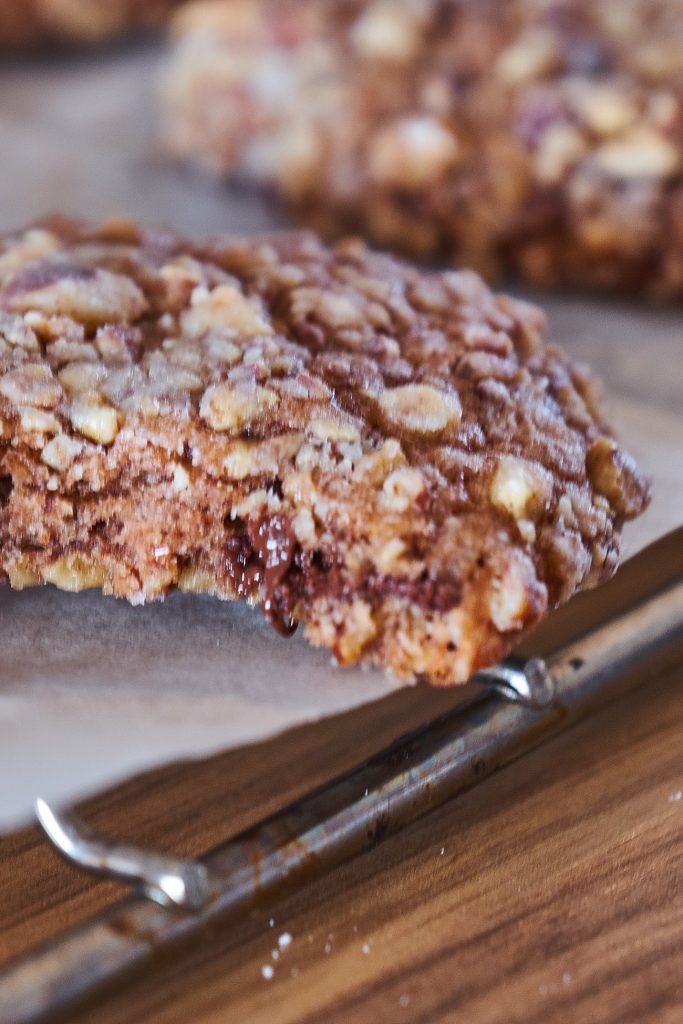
<point x="539" y="137"/>
<point x="395" y="459"/>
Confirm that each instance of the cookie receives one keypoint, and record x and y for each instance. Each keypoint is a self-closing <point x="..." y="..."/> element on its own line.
<point x="393" y="458"/>
<point x="526" y="137"/>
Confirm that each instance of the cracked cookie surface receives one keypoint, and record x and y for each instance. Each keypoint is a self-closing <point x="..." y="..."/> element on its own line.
<point x="395" y="459"/>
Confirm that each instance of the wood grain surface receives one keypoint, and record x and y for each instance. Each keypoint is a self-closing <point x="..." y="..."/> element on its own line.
<point x="552" y="892"/>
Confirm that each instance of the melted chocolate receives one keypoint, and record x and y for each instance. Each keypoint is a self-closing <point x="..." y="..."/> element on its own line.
<point x="264" y="558"/>
<point x="274" y="545"/>
<point x="6" y="487"/>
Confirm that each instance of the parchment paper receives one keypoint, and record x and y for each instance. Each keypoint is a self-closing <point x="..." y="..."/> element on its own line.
<point x="92" y="690"/>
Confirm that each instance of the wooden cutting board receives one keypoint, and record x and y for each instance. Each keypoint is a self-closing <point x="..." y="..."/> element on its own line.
<point x="552" y="892"/>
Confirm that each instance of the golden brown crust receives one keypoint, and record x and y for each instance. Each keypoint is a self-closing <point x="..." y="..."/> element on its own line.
<point x="540" y="137"/>
<point x="394" y="458"/>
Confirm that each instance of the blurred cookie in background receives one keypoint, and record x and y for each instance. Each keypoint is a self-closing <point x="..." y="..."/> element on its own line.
<point x="31" y="23"/>
<point x="538" y="137"/>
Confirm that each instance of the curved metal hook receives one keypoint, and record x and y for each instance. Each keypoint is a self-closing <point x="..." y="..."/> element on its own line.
<point x="185" y="884"/>
<point x="166" y="880"/>
<point x="526" y="682"/>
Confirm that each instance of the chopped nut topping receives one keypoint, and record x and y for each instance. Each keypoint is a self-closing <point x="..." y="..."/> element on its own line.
<point x="386" y="31"/>
<point x="333" y="430"/>
<point x="62" y="352"/>
<point x="221" y="350"/>
<point x="32" y="384"/>
<point x="412" y="152"/>
<point x="241" y="461"/>
<point x="508" y="601"/>
<point x="607" y="110"/>
<point x="613" y="474"/>
<point x="60" y="452"/>
<point x="193" y="580"/>
<point x="641" y="154"/>
<point x="100" y="423"/>
<point x="21" y="575"/>
<point x="39" y="421"/>
<point x="390" y="556"/>
<point x="520" y="488"/>
<point x="303" y="525"/>
<point x="533" y="55"/>
<point x="235" y="406"/>
<point x="224" y="308"/>
<point x="81" y="378"/>
<point x="16" y="331"/>
<point x="359" y="629"/>
<point x="420" y="409"/>
<point x="337" y="310"/>
<point x="91" y="297"/>
<point x="74" y="573"/>
<point x="561" y="146"/>
<point x="402" y="488"/>
<point x="181" y="478"/>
